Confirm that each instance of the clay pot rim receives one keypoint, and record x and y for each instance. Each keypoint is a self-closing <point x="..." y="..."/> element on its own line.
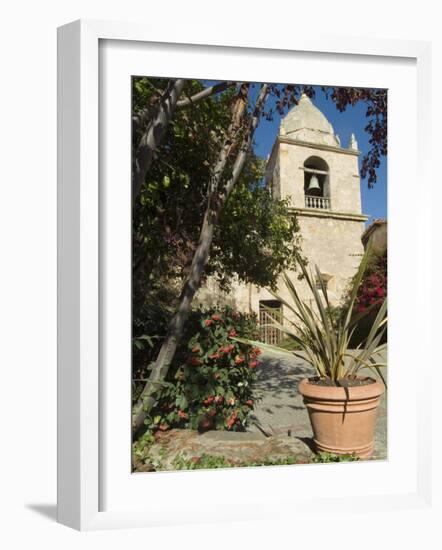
<point x="336" y="393"/>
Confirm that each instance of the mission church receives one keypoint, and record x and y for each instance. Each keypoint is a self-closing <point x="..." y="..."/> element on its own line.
<point x="321" y="178"/>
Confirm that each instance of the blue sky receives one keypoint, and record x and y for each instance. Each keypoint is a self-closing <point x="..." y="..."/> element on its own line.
<point x="374" y="201"/>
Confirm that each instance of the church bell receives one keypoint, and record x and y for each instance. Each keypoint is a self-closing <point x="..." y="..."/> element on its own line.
<point x="313" y="184"/>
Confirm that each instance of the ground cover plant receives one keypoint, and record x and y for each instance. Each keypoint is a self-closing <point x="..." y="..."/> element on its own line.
<point x="144" y="462"/>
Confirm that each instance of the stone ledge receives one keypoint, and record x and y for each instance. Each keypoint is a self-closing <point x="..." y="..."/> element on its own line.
<point x="282" y="139"/>
<point x="317" y="213"/>
<point x="236" y="447"/>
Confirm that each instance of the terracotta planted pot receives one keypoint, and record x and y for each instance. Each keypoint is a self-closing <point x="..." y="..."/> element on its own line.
<point x="343" y="419"/>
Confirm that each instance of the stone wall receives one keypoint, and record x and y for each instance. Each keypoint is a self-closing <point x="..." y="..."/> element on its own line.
<point x="345" y="193"/>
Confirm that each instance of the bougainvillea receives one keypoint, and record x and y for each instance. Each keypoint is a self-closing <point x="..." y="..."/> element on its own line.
<point x="373" y="289"/>
<point x="371" y="295"/>
<point x="210" y="385"/>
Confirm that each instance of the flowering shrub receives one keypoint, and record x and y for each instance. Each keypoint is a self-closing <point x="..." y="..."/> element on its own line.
<point x="371" y="294"/>
<point x="373" y="289"/>
<point x="209" y="386"/>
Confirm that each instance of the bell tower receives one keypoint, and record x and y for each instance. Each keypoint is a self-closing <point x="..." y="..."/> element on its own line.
<point x="321" y="179"/>
<point x="309" y="166"/>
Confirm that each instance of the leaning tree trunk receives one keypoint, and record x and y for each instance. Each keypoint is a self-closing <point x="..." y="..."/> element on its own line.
<point x="156" y="128"/>
<point x="216" y="202"/>
<point x="151" y="139"/>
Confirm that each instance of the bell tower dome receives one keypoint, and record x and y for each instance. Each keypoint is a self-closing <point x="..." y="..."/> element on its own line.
<point x="305" y="122"/>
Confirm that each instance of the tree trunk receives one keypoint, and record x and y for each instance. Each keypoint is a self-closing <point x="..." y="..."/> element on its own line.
<point x="216" y="202"/>
<point x="151" y="139"/>
<point x="153" y="136"/>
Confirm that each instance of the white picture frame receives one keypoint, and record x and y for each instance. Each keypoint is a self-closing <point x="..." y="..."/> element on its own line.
<point x="80" y="395"/>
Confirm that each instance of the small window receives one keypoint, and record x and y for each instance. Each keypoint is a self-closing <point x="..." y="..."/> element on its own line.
<point x="318" y="283"/>
<point x="325" y="278"/>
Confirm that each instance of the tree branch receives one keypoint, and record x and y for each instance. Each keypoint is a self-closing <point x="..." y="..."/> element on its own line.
<point x="152" y="137"/>
<point x="212" y="90"/>
<point x="217" y="200"/>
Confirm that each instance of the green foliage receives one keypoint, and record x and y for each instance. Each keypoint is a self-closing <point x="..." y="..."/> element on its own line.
<point x="168" y="214"/>
<point x="151" y="314"/>
<point x="183" y="461"/>
<point x="324" y="457"/>
<point x="205" y="462"/>
<point x="202" y="462"/>
<point x="209" y="385"/>
<point x="144" y="460"/>
<point x="325" y="341"/>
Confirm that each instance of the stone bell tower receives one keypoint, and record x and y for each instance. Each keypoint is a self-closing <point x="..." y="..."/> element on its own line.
<point x="309" y="165"/>
<point x="321" y="179"/>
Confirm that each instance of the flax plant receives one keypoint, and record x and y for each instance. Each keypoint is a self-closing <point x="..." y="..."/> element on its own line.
<point x="322" y="340"/>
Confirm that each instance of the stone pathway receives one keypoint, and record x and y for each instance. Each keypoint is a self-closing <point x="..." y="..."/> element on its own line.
<point x="281" y="410"/>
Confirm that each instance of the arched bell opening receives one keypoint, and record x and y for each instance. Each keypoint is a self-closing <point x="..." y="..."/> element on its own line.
<point x="316" y="183"/>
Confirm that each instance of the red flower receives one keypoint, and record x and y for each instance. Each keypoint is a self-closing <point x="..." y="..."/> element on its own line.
<point x="239" y="359"/>
<point x="219" y="399"/>
<point x="216" y="317"/>
<point x="182" y="414"/>
<point x="163" y="427"/>
<point x="209" y="400"/>
<point x="232" y="420"/>
<point x="226" y="349"/>
<point x="214" y="356"/>
<point x="195" y="361"/>
<point x="256" y="351"/>
<point x="253" y="364"/>
<point x="196" y="349"/>
<point x="208" y="322"/>
<point x="232" y="333"/>
<point x="249" y="403"/>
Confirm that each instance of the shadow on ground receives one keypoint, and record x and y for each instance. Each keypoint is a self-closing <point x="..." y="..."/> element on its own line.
<point x="49" y="511"/>
<point x="281" y="411"/>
